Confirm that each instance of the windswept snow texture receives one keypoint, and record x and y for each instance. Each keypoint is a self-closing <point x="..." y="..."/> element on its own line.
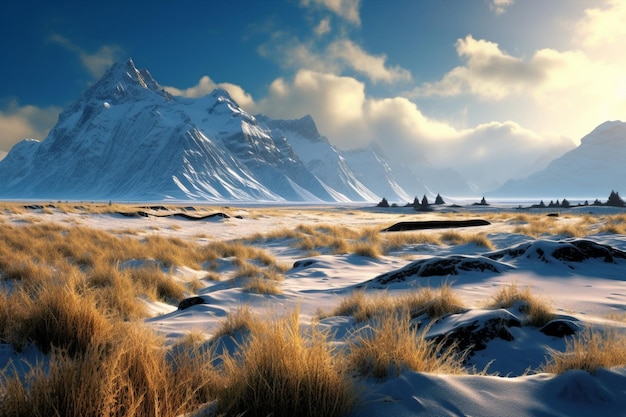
<point x="126" y="138"/>
<point x="582" y="281"/>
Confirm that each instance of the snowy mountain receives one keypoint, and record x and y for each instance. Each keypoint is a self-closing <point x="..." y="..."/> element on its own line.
<point x="589" y="171"/>
<point x="127" y="138"/>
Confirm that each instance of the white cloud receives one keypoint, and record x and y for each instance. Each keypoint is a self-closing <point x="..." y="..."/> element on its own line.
<point x="349" y="118"/>
<point x="336" y="58"/>
<point x="206" y="85"/>
<point x="488" y="73"/>
<point x="500" y="6"/>
<point x="100" y="61"/>
<point x="346" y="9"/>
<point x="25" y="122"/>
<point x="96" y="63"/>
<point x="323" y="27"/>
<point x="373" y="67"/>
<point x="603" y="27"/>
<point x="336" y="103"/>
<point x="571" y="91"/>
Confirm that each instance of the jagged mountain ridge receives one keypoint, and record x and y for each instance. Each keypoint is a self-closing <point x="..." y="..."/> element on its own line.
<point x="127" y="138"/>
<point x="591" y="170"/>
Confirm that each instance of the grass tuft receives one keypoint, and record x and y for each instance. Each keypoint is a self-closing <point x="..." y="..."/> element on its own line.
<point x="392" y="345"/>
<point x="280" y="372"/>
<point x="130" y="375"/>
<point x="589" y="350"/>
<point x="538" y="310"/>
<point x="433" y="303"/>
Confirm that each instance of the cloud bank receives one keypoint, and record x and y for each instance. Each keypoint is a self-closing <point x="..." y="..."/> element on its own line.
<point x="25" y="122"/>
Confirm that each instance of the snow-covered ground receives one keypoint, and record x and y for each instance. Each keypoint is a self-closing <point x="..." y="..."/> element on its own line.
<point x="591" y="292"/>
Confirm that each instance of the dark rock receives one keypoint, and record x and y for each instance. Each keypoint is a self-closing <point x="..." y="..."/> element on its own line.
<point x="586" y="249"/>
<point x="560" y="328"/>
<point x="435" y="224"/>
<point x="191" y="301"/>
<point x="471" y="333"/>
<point x="572" y="250"/>
<point x="439" y="266"/>
<point x="208" y="216"/>
<point x="303" y="263"/>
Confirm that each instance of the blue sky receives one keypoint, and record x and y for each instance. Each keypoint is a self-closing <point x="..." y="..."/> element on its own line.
<point x="464" y="82"/>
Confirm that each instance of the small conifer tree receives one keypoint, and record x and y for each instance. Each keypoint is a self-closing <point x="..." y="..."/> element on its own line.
<point x="615" y="200"/>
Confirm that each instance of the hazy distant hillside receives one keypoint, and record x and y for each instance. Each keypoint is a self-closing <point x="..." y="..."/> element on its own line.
<point x="591" y="170"/>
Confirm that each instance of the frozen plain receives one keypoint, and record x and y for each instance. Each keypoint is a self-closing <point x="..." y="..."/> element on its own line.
<point x="592" y="293"/>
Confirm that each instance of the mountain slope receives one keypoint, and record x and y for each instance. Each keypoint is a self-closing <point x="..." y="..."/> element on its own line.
<point x="591" y="170"/>
<point x="127" y="138"/>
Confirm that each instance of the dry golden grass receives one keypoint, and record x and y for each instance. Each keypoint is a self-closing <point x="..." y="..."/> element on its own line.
<point x="280" y="372"/>
<point x="481" y="239"/>
<point x="434" y="303"/>
<point x="367" y="249"/>
<point x="114" y="291"/>
<point x="539" y="310"/>
<point x="392" y="345"/>
<point x="396" y="241"/>
<point x="614" y="224"/>
<point x="52" y="318"/>
<point x="364" y="241"/>
<point x="536" y="225"/>
<point x="259" y="285"/>
<point x="240" y="320"/>
<point x="131" y="375"/>
<point x="70" y="297"/>
<point x="570" y="230"/>
<point x="34" y="255"/>
<point x="453" y="237"/>
<point x="157" y="285"/>
<point x="212" y="276"/>
<point x="589" y="350"/>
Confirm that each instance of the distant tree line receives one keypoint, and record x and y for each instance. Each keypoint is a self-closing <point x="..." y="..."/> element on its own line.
<point x="614" y="200"/>
<point x="423" y="204"/>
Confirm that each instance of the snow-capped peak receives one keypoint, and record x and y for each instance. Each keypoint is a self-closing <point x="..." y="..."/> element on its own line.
<point x="122" y="82"/>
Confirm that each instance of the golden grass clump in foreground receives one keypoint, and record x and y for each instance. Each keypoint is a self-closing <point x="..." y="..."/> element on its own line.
<point x="128" y="374"/>
<point x="392" y="345"/>
<point x="589" y="350"/>
<point x="281" y="372"/>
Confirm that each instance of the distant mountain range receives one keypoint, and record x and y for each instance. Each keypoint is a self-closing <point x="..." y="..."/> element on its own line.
<point x="126" y="138"/>
<point x="592" y="170"/>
